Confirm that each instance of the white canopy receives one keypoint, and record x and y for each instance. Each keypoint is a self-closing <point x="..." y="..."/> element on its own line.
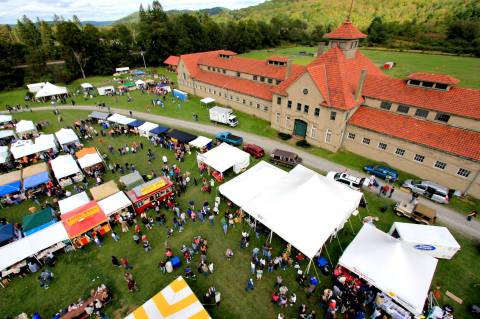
<point x="145" y="128"/>
<point x="122" y="69"/>
<point x="125" y="120"/>
<point x="4" y="154"/>
<point x="35" y="87"/>
<point x="19" y="250"/>
<point x="200" y="142"/>
<point x="115" y="117"/>
<point x="225" y="156"/>
<point x="139" y="83"/>
<point x="51" y="90"/>
<point x="396" y="269"/>
<point x="5" y="118"/>
<point x="66" y="136"/>
<point x="6" y="133"/>
<point x="114" y="203"/>
<point x="89" y="160"/>
<point x="63" y="166"/>
<point x="207" y="100"/>
<point x="86" y="86"/>
<point x="22" y="148"/>
<point x="70" y="203"/>
<point x="45" y="142"/>
<point x="105" y="89"/>
<point x="24" y="126"/>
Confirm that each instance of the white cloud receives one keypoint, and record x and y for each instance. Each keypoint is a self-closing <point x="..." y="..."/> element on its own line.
<point x="100" y="10"/>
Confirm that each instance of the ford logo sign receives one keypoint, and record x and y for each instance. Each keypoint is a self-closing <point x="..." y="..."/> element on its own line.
<point x="425" y="247"/>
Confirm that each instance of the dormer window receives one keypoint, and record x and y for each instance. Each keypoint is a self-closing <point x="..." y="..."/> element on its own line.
<point x="441" y="86"/>
<point x="224" y="56"/>
<point x="414" y="82"/>
<point x="427" y="84"/>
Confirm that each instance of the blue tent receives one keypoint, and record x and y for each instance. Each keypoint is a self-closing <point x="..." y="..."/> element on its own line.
<point x="180" y="95"/>
<point x="138" y="72"/>
<point x="35" y="180"/>
<point x="10" y="188"/>
<point x="6" y="232"/>
<point x="136" y="123"/>
<point x="159" y="130"/>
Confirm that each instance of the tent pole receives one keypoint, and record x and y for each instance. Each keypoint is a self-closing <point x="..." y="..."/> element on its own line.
<point x="351" y="226"/>
<point x="271" y="235"/>
<point x="328" y="255"/>
<point x="308" y="266"/>
<point x="316" y="272"/>
<point x="339" y="244"/>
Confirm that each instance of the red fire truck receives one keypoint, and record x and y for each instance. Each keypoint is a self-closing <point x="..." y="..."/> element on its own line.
<point x="144" y="195"/>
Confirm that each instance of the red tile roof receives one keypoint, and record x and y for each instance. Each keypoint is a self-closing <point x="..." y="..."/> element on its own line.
<point x="442" y="137"/>
<point x="346" y="31"/>
<point x="278" y="58"/>
<point x="172" y="60"/>
<point x="457" y="101"/>
<point x="226" y="52"/>
<point x="191" y="60"/>
<point x="433" y="77"/>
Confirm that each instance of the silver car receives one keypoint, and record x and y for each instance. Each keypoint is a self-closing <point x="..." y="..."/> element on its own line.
<point x="428" y="189"/>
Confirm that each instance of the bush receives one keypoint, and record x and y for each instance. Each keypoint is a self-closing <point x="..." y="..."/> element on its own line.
<point x="284" y="136"/>
<point x="303" y="143"/>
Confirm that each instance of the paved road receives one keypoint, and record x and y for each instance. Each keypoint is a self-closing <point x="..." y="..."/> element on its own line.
<point x="445" y="215"/>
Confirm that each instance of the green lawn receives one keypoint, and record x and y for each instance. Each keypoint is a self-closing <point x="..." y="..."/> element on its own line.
<point x="76" y="273"/>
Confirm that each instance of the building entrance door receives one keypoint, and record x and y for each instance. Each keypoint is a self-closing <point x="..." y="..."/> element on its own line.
<point x="300" y="128"/>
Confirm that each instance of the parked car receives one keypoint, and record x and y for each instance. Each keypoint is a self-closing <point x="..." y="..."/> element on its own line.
<point x="254" y="150"/>
<point x="420" y="213"/>
<point x="285" y="158"/>
<point x="351" y="181"/>
<point x="383" y="172"/>
<point x="229" y="138"/>
<point x="428" y="189"/>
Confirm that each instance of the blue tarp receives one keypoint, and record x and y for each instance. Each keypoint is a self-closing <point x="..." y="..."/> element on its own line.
<point x="159" y="130"/>
<point x="10" y="188"/>
<point x="180" y="95"/>
<point x="136" y="123"/>
<point x="35" y="180"/>
<point x="138" y="72"/>
<point x="6" y="232"/>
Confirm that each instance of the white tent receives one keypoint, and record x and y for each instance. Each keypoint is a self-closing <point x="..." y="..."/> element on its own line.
<point x="207" y="100"/>
<point x="89" y="160"/>
<point x="5" y="118"/>
<point x="200" y="142"/>
<point x="145" y="128"/>
<point x="225" y="156"/>
<point x="139" y="83"/>
<point x="35" y="87"/>
<point x="124" y="120"/>
<point x="22" y="148"/>
<point x="122" y="69"/>
<point x="435" y="241"/>
<point x="393" y="267"/>
<point x="70" y="203"/>
<point x="45" y="142"/>
<point x="4" y="154"/>
<point x="104" y="90"/>
<point x="66" y="136"/>
<point x="114" y="203"/>
<point x="115" y="117"/>
<point x="86" y="86"/>
<point x="19" y="250"/>
<point x="24" y="126"/>
<point x="51" y="90"/>
<point x="63" y="166"/>
<point x="6" y="133"/>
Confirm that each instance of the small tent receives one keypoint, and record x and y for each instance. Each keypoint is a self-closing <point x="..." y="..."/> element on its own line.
<point x="5" y="118"/>
<point x="4" y="154"/>
<point x="106" y="90"/>
<point x="10" y="183"/>
<point x="181" y="136"/>
<point x="70" y="203"/>
<point x="125" y="120"/>
<point x="23" y="127"/>
<point x="136" y="123"/>
<point x="131" y="180"/>
<point x="6" y="137"/>
<point x="66" y="136"/>
<point x="22" y="148"/>
<point x="38" y="221"/>
<point x="88" y="157"/>
<point x="86" y="86"/>
<point x="114" y="203"/>
<point x="46" y="142"/>
<point x="159" y="130"/>
<point x="224" y="157"/>
<point x="6" y="233"/>
<point x="50" y="90"/>
<point x="82" y="219"/>
<point x="35" y="175"/>
<point x="201" y="142"/>
<point x="104" y="190"/>
<point x="206" y="101"/>
<point x="145" y="128"/>
<point x="115" y="117"/>
<point x="99" y="115"/>
<point x="140" y="84"/>
<point x="64" y="166"/>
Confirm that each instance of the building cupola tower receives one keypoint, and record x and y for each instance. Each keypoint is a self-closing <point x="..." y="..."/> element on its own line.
<point x="346" y="38"/>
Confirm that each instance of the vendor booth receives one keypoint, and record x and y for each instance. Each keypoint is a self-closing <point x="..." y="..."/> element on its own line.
<point x="125" y="121"/>
<point x="106" y="90"/>
<point x="136" y="123"/>
<point x="50" y="90"/>
<point x="180" y="95"/>
<point x="25" y="127"/>
<point x="114" y="203"/>
<point x="141" y="84"/>
<point x="67" y="137"/>
<point x="104" y="190"/>
<point x="38" y="221"/>
<point x="7" y="234"/>
<point x="35" y="87"/>
<point x="46" y="142"/>
<point x="202" y="143"/>
<point x="100" y="116"/>
<point x="66" y="170"/>
<point x="131" y="180"/>
<point x="115" y="117"/>
<point x="10" y="183"/>
<point x="180" y="136"/>
<point x="35" y="177"/>
<point x="90" y="161"/>
<point x="144" y="195"/>
<point x="22" y="148"/>
<point x="159" y="130"/>
<point x="5" y="157"/>
<point x="6" y="137"/>
<point x="122" y="70"/>
<point x="402" y="273"/>
<point x="70" y="203"/>
<point x="145" y="128"/>
<point x="224" y="157"/>
<point x="5" y="118"/>
<point x="436" y="241"/>
<point x="176" y="301"/>
<point x="87" y="87"/>
<point x="207" y="101"/>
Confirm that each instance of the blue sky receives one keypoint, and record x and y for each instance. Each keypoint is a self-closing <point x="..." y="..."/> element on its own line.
<point x="100" y="10"/>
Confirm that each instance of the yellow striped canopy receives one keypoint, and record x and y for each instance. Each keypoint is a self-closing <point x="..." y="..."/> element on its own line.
<point x="176" y="301"/>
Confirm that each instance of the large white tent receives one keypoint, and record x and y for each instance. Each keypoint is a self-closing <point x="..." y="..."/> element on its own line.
<point x="50" y="89"/>
<point x="70" y="203"/>
<point x="35" y="87"/>
<point x="66" y="136"/>
<point x="145" y="128"/>
<point x="63" y="166"/>
<point x="89" y="160"/>
<point x="5" y="118"/>
<point x="393" y="267"/>
<point x="24" y="126"/>
<point x="45" y="142"/>
<point x="114" y="203"/>
<point x="22" y="148"/>
<point x="19" y="250"/>
<point x="225" y="156"/>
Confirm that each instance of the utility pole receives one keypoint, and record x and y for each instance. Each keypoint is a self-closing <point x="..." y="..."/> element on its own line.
<point x="143" y="57"/>
<point x="350" y="11"/>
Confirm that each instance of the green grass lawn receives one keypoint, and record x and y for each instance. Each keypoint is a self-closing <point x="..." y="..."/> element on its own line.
<point x="78" y="272"/>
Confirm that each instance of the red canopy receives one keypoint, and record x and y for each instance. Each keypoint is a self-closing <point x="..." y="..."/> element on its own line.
<point x="83" y="218"/>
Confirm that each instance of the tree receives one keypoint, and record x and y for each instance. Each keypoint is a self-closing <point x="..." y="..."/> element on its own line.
<point x="377" y="32"/>
<point x="71" y="38"/>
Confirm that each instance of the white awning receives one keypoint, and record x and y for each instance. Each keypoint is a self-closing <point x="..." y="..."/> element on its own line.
<point x="114" y="203"/>
<point x="6" y="133"/>
<point x="4" y="154"/>
<point x="105" y="89"/>
<point x="393" y="267"/>
<point x="86" y="86"/>
<point x="146" y="127"/>
<point x="63" y="166"/>
<point x="66" y="136"/>
<point x="22" y="148"/>
<point x="200" y="142"/>
<point x="45" y="142"/>
<point x="115" y="117"/>
<point x="21" y="249"/>
<point x="70" y="203"/>
<point x="225" y="156"/>
<point x="25" y="127"/>
<point x="125" y="120"/>
<point x="35" y="87"/>
<point x="207" y="100"/>
<point x="5" y="118"/>
<point x="89" y="160"/>
<point x="51" y="90"/>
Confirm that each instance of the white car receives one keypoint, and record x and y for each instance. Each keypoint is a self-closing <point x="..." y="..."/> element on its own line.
<point x="351" y="181"/>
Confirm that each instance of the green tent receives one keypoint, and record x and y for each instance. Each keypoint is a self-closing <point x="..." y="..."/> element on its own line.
<point x="128" y="84"/>
<point x="37" y="221"/>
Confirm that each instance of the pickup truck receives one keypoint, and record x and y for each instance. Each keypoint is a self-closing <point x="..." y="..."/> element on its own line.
<point x="229" y="138"/>
<point x="418" y="212"/>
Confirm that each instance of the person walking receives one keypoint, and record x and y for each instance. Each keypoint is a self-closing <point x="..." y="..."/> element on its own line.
<point x="250" y="285"/>
<point x="472" y="215"/>
<point x="125" y="263"/>
<point x="115" y="261"/>
<point x="115" y="236"/>
<point x="392" y="189"/>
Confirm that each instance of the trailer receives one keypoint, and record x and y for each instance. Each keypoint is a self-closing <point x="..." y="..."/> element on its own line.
<point x="223" y="115"/>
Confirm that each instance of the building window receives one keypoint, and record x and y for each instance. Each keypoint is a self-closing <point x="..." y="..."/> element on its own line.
<point x="366" y="140"/>
<point x="251" y="103"/>
<point x="399" y="151"/>
<point x="351" y="136"/>
<point x="317" y="111"/>
<point x="442" y="117"/>
<point x="231" y="97"/>
<point x="270" y="80"/>
<point x="441" y="86"/>
<point x="328" y="136"/>
<point x="209" y="68"/>
<point x="427" y="84"/>
<point x="421" y="113"/>
<point x="278" y="82"/>
<point x="255" y="77"/>
<point x="279" y="100"/>
<point x="262" y="79"/>
<point x="289" y="104"/>
<point x="287" y="122"/>
<point x="419" y="158"/>
<point x="414" y="82"/>
<point x="238" y="74"/>
<point x="382" y="146"/>
<point x="305" y="91"/>
<point x="277" y="118"/>
<point x="224" y="71"/>
<point x="403" y="109"/>
<point x="313" y="131"/>
<point x="265" y="108"/>
<point x="385" y="105"/>
<point x="244" y="101"/>
<point x="463" y="172"/>
<point x="333" y="115"/>
<point x="305" y="109"/>
<point x="238" y="99"/>
<point x="440" y="165"/>
<point x="299" y="106"/>
<point x="258" y="106"/>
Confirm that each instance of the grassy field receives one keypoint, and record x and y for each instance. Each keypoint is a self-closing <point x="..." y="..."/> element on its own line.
<point x="78" y="272"/>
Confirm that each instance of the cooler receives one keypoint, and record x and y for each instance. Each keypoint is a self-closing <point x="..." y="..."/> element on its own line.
<point x="175" y="262"/>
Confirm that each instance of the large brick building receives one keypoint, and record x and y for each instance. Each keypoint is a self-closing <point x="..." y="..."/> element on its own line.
<point x="424" y="124"/>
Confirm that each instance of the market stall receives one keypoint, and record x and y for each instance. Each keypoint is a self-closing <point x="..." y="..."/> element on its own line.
<point x="10" y="183"/>
<point x="100" y="116"/>
<point x="202" y="143"/>
<point x="140" y="84"/>
<point x="66" y="170"/>
<point x="46" y="142"/>
<point x="207" y="101"/>
<point x="436" y="241"/>
<point x="131" y="180"/>
<point x="181" y="95"/>
<point x="5" y="157"/>
<point x="6" y="137"/>
<point x="402" y="273"/>
<point x="37" y="221"/>
<point x="106" y="90"/>
<point x="144" y="195"/>
<point x="35" y="177"/>
<point x="50" y="90"/>
<point x="25" y="127"/>
<point x="104" y="190"/>
<point x="7" y="234"/>
<point x="145" y="128"/>
<point x="35" y="87"/>
<point x="175" y="301"/>
<point x="67" y="137"/>
<point x="224" y="157"/>
<point x="180" y="136"/>
<point x="136" y="123"/>
<point x="5" y="118"/>
<point x="159" y="130"/>
<point x="90" y="161"/>
<point x="114" y="203"/>
<point x="115" y="117"/>
<point x="21" y="149"/>
<point x="70" y="203"/>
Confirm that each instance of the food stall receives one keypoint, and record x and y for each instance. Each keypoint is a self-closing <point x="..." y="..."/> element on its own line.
<point x="10" y="183"/>
<point x="178" y="136"/>
<point x="66" y="170"/>
<point x="5" y="157"/>
<point x="145" y="128"/>
<point x="90" y="161"/>
<point x="70" y="203"/>
<point x="67" y="137"/>
<point x="131" y="180"/>
<point x="25" y="127"/>
<point x="159" y="130"/>
<point x="37" y="221"/>
<point x="6" y="137"/>
<point x="35" y="177"/>
<point x="202" y="143"/>
<point x="46" y="142"/>
<point x="110" y="199"/>
<point x="222" y="158"/>
<point x="24" y="151"/>
<point x="99" y="116"/>
<point x="144" y="195"/>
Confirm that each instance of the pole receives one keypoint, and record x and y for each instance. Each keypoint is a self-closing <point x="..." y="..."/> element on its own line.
<point x="143" y="57"/>
<point x="339" y="243"/>
<point x="308" y="266"/>
<point x="271" y="235"/>
<point x="328" y="255"/>
<point x="351" y="227"/>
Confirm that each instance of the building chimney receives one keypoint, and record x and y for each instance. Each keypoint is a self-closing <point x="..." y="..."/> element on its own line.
<point x="321" y="48"/>
<point x="361" y="81"/>
<point x="289" y="68"/>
